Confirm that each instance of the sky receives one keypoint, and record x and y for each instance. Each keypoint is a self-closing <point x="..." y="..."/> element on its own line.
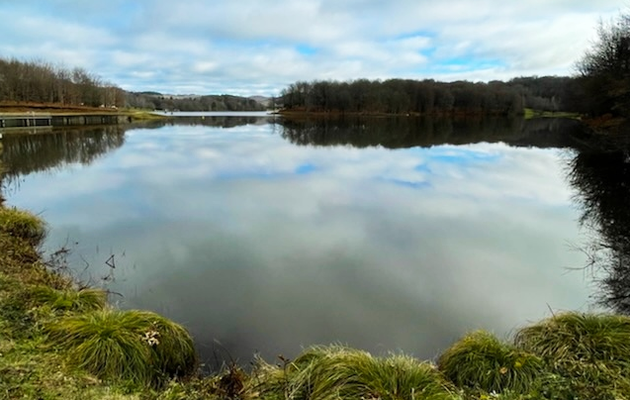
<point x="259" y="47"/>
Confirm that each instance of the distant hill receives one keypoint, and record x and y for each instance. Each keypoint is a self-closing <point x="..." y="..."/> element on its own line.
<point x="224" y="102"/>
<point x="265" y="101"/>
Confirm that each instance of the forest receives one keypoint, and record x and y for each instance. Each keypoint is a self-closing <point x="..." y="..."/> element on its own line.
<point x="42" y="82"/>
<point x="429" y="97"/>
<point x="158" y="101"/>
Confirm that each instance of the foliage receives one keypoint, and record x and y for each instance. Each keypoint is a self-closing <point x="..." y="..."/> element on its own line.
<point x="605" y="68"/>
<point x="428" y="97"/>
<point x="338" y="372"/>
<point x="41" y="82"/>
<point x="139" y="346"/>
<point x="480" y="361"/>
<point x="22" y="224"/>
<point x="158" y="101"/>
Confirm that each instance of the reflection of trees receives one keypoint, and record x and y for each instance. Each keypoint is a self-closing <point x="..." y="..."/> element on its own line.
<point x="603" y="183"/>
<point x="216" y="121"/>
<point x="405" y="132"/>
<point x="27" y="153"/>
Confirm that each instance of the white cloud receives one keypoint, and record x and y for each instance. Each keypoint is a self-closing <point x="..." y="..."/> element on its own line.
<point x="258" y="47"/>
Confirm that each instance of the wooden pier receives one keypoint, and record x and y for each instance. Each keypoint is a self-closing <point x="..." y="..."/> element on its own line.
<point x="37" y="120"/>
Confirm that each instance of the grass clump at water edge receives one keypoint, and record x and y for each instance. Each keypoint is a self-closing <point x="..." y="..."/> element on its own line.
<point x="589" y="354"/>
<point x="481" y="361"/>
<point x="335" y="372"/>
<point x="23" y="225"/>
<point x="138" y="346"/>
<point x="70" y="300"/>
<point x="574" y="337"/>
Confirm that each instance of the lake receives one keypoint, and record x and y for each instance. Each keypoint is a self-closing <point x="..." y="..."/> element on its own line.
<point x="265" y="235"/>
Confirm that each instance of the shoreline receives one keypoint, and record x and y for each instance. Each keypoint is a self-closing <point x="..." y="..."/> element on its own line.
<point x="41" y="306"/>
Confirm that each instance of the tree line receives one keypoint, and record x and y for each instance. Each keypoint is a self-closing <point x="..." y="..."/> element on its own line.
<point x="430" y="97"/>
<point x="42" y="82"/>
<point x="158" y="101"/>
<point x="601" y="86"/>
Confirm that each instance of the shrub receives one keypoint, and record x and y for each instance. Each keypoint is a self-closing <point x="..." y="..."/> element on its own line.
<point x="338" y="372"/>
<point x="23" y="225"/>
<point x="139" y="346"/>
<point x="480" y="361"/>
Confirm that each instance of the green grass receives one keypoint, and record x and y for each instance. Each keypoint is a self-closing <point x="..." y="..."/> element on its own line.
<point x="70" y="300"/>
<point x="574" y="337"/>
<point x="144" y="115"/>
<point x="336" y="372"/>
<point x="481" y="361"/>
<point x="589" y="353"/>
<point x="23" y="225"/>
<point x="530" y="113"/>
<point x="138" y="346"/>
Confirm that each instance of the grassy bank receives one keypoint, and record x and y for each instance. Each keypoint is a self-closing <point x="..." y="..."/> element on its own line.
<point x="60" y="340"/>
<point x="21" y="108"/>
<point x="530" y="113"/>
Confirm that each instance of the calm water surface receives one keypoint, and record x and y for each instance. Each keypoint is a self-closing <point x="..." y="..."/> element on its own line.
<point x="267" y="237"/>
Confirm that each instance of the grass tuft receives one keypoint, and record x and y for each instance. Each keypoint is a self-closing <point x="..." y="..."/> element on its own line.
<point x="575" y="337"/>
<point x="480" y="361"/>
<point x="137" y="346"/>
<point x="23" y="225"/>
<point x="338" y="372"/>
<point x="84" y="300"/>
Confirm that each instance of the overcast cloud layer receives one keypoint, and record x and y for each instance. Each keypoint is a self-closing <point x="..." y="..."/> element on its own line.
<point x="258" y="47"/>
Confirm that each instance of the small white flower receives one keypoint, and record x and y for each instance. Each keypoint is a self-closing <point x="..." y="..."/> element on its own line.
<point x="151" y="337"/>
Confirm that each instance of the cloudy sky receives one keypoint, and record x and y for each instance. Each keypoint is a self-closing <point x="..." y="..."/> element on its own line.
<point x="258" y="47"/>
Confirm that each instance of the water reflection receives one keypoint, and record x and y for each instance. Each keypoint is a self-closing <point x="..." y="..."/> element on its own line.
<point x="602" y="180"/>
<point x="267" y="246"/>
<point x="411" y="132"/>
<point x="28" y="153"/>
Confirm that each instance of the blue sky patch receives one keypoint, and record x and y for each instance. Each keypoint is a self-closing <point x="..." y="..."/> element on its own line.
<point x="305" y="169"/>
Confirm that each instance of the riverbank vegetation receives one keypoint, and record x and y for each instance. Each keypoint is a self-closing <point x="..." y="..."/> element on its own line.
<point x="59" y="339"/>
